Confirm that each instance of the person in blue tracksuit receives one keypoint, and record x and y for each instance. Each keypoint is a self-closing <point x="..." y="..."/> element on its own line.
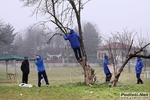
<point x="75" y="45"/>
<point x="106" y="70"/>
<point x="41" y="70"/>
<point x="138" y="69"/>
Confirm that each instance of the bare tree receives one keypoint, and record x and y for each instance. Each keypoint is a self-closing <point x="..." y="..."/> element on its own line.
<point x="63" y="13"/>
<point x="118" y="46"/>
<point x="111" y="47"/>
<point x="33" y="40"/>
<point x="18" y="40"/>
<point x="125" y="46"/>
<point x="131" y="46"/>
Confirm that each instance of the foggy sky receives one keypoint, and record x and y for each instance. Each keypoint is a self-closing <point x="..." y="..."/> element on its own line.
<point x="108" y="15"/>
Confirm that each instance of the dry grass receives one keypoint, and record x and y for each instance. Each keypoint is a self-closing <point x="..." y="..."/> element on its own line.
<point x="66" y="84"/>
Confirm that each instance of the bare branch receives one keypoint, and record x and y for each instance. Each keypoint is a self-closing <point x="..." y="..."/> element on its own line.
<point x="48" y="42"/>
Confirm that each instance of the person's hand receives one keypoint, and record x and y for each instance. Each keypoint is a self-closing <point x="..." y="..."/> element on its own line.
<point x="35" y="53"/>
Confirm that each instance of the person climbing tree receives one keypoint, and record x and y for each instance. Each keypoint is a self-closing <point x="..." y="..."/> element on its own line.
<point x="73" y="38"/>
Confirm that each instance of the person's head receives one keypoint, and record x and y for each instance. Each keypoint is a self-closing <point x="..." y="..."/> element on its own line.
<point x="106" y="57"/>
<point x="37" y="57"/>
<point x="25" y="58"/>
<point x="138" y="58"/>
<point x="71" y="31"/>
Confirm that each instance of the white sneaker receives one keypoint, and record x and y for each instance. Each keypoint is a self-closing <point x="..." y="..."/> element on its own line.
<point x="42" y="80"/>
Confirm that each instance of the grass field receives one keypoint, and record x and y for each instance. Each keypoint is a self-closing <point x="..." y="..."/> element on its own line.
<point x="67" y="84"/>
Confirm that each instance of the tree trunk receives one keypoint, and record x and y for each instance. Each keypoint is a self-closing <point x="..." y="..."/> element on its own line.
<point x="114" y="70"/>
<point x="119" y="72"/>
<point x="88" y="71"/>
<point x="115" y="80"/>
<point x="89" y="74"/>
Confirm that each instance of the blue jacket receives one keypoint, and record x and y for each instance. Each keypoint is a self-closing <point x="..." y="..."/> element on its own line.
<point x="39" y="64"/>
<point x="139" y="66"/>
<point x="73" y="39"/>
<point x="105" y="63"/>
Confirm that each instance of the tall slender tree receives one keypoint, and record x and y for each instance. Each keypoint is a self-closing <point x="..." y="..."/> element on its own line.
<point x="7" y="37"/>
<point x="92" y="39"/>
<point x="34" y="40"/>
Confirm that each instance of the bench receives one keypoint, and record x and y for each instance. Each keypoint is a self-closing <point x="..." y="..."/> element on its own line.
<point x="12" y="76"/>
<point x="147" y="74"/>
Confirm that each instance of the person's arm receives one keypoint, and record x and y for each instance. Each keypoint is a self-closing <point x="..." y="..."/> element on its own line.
<point x="66" y="37"/>
<point x="78" y="36"/>
<point x="141" y="64"/>
<point x="40" y="59"/>
<point x="106" y="63"/>
<point x="22" y="66"/>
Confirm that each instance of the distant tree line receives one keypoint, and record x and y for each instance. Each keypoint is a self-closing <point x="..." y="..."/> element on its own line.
<point x="34" y="39"/>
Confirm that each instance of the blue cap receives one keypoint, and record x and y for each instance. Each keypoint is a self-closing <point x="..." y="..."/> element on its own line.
<point x="106" y="57"/>
<point x="138" y="57"/>
<point x="71" y="31"/>
<point x="25" y="57"/>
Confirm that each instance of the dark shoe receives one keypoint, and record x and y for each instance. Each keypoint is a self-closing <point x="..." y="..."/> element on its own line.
<point x="138" y="82"/>
<point x="141" y="83"/>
